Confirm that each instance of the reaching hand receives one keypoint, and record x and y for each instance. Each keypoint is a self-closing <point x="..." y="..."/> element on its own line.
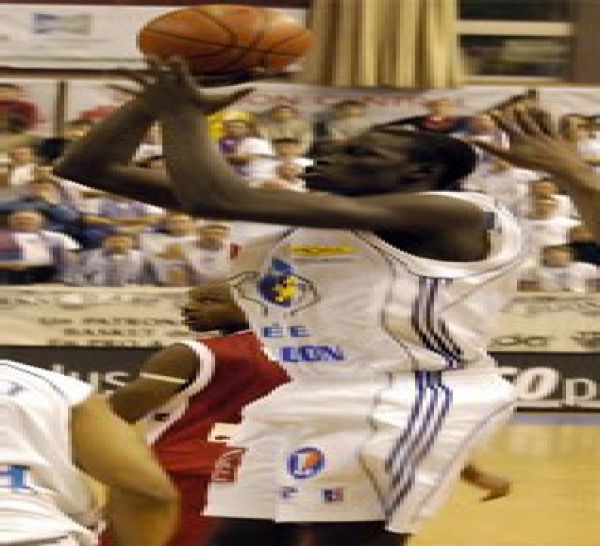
<point x="534" y="142"/>
<point x="496" y="486"/>
<point x="166" y="83"/>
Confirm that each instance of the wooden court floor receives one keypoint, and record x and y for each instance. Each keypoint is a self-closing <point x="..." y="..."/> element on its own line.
<point x="553" y="461"/>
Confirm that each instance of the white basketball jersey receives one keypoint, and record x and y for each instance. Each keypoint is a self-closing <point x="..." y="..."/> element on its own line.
<point x="330" y="302"/>
<point x="42" y="495"/>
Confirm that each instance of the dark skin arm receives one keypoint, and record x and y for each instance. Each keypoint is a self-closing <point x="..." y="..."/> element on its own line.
<point x="201" y="182"/>
<point x="143" y="395"/>
<point x="495" y="485"/>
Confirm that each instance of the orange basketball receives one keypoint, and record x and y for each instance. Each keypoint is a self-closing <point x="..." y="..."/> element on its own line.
<point x="223" y="38"/>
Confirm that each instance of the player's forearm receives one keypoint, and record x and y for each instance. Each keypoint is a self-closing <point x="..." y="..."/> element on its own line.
<point x="134" y="520"/>
<point x="201" y="177"/>
<point x="112" y="142"/>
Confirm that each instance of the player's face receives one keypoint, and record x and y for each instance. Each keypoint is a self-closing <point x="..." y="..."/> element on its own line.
<point x="211" y="307"/>
<point x="372" y="163"/>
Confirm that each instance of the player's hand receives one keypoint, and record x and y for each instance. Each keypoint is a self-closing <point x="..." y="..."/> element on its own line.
<point x="171" y="82"/>
<point x="535" y="144"/>
<point x="496" y="486"/>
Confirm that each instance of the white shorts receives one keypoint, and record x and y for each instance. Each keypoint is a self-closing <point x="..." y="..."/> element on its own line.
<point x="384" y="448"/>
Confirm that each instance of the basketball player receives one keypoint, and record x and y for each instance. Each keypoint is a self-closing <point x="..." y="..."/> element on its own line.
<point x="383" y="332"/>
<point x="51" y="427"/>
<point x="191" y="393"/>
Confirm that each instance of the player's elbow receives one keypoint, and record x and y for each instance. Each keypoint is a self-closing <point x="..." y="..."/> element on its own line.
<point x="158" y="490"/>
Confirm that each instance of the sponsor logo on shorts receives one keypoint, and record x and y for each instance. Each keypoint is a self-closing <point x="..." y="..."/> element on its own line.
<point x="287" y="492"/>
<point x="306" y="462"/>
<point x="336" y="494"/>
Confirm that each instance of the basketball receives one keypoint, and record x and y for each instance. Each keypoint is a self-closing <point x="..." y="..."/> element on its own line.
<point x="226" y="38"/>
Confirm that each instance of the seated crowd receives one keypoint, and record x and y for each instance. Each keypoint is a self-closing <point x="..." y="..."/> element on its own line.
<point x="54" y="230"/>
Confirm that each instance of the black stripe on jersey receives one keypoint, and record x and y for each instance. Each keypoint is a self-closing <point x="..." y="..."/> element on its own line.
<point x="422" y="320"/>
<point x="45" y="379"/>
<point x="416" y="441"/>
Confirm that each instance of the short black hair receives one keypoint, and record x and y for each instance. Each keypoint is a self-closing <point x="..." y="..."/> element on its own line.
<point x="456" y="157"/>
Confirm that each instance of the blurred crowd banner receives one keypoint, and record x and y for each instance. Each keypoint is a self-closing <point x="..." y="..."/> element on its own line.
<point x="91" y="317"/>
<point x="75" y="36"/>
<point x="383" y="105"/>
<point x="149" y="317"/>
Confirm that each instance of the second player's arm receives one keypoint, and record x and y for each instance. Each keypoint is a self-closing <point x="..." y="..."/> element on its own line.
<point x="160" y="378"/>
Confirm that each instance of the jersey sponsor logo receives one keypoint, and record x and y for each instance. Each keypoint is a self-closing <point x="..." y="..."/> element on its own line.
<point x="311" y="353"/>
<point x="278" y="286"/>
<point x="311" y="251"/>
<point x="335" y="494"/>
<point x="287" y="492"/>
<point x="14" y="478"/>
<point x="306" y="462"/>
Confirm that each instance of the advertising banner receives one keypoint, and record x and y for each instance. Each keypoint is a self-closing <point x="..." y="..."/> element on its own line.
<point x="149" y="317"/>
<point x="91" y="317"/>
<point x="543" y="381"/>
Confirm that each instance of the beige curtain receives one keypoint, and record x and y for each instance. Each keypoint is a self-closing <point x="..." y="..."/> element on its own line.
<point x="376" y="43"/>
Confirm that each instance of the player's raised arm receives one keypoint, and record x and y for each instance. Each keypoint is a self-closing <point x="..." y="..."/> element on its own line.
<point x="368" y="184"/>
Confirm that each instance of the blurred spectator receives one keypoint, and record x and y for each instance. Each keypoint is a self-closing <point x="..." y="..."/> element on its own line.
<point x="117" y="263"/>
<point x="20" y="166"/>
<point x="289" y="150"/>
<point x="170" y="267"/>
<point x="581" y="241"/>
<point x="31" y="254"/>
<point x="544" y="188"/>
<point x="441" y="117"/>
<point x="209" y="256"/>
<point x="559" y="272"/>
<point x="175" y="228"/>
<point x="286" y="150"/>
<point x="50" y="149"/>
<point x="43" y="195"/>
<point x="543" y="227"/>
<point x="287" y="177"/>
<point x="17" y="113"/>
<point x="284" y="122"/>
<point x="248" y="154"/>
<point x="349" y="119"/>
<point x="124" y="214"/>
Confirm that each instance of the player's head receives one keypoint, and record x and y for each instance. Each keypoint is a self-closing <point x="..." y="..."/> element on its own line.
<point x="210" y="306"/>
<point x="389" y="159"/>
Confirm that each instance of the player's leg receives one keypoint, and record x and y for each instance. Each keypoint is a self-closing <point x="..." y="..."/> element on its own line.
<point x="251" y="532"/>
<point x="363" y="533"/>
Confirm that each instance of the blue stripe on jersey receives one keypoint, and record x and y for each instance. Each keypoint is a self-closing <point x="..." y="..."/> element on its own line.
<point x="27" y="371"/>
<point x="417" y="439"/>
<point x="423" y="322"/>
